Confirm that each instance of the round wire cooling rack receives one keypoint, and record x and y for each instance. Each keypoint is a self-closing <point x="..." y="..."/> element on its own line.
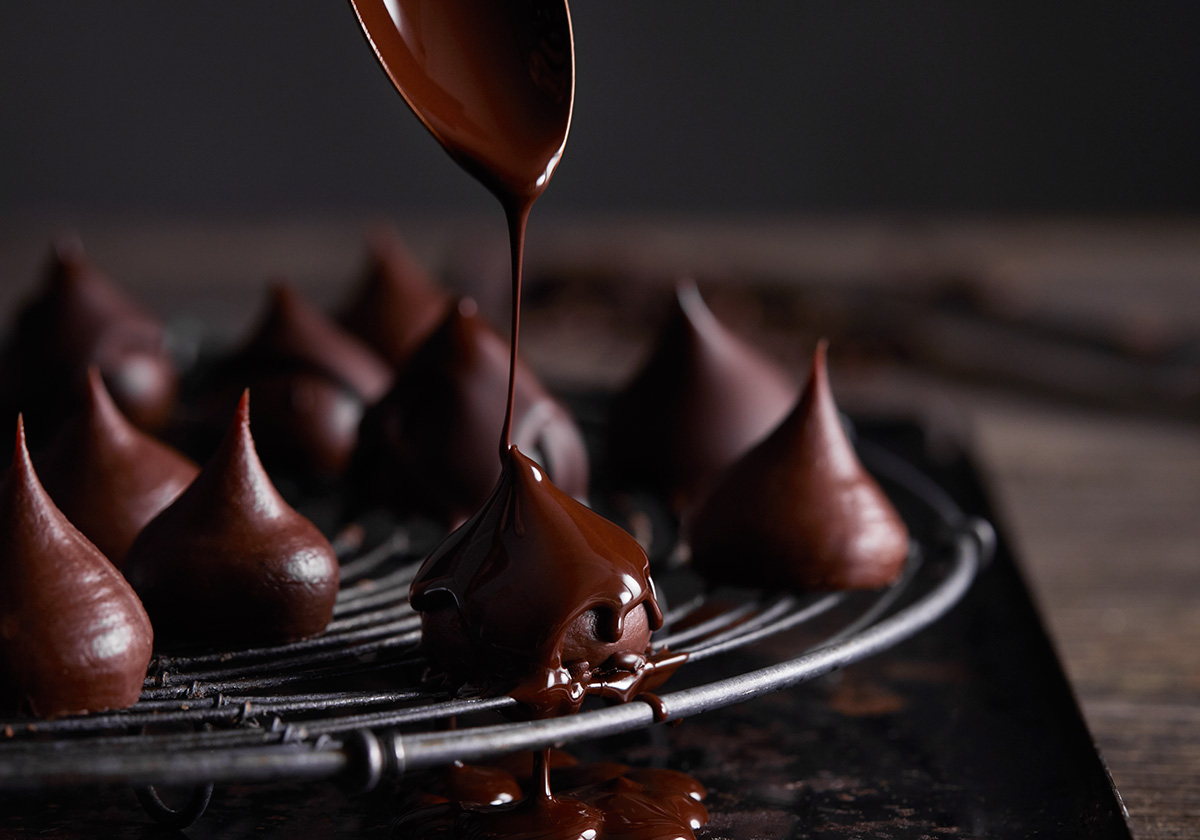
<point x="350" y="705"/>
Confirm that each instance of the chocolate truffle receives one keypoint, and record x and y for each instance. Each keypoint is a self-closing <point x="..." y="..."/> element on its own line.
<point x="311" y="382"/>
<point x="73" y="636"/>
<point x="429" y="446"/>
<point x="229" y="563"/>
<point x="79" y="318"/>
<point x="799" y="511"/>
<point x="541" y="598"/>
<point x="702" y="398"/>
<point x="107" y="477"/>
<point x="396" y="306"/>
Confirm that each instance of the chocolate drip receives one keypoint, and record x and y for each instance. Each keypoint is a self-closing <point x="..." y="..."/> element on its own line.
<point x="311" y="383"/>
<point x="79" y="318"/>
<point x="799" y="511"/>
<point x="428" y="445"/>
<point x="396" y="306"/>
<point x="107" y="477"/>
<point x="702" y="398"/>
<point x="73" y="635"/>
<point x="229" y="563"/>
<point x="539" y="597"/>
<point x="607" y="799"/>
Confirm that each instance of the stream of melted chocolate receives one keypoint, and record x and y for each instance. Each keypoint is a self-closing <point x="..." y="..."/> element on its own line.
<point x="535" y="594"/>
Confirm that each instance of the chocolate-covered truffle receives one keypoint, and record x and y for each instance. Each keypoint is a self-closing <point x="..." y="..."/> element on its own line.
<point x="79" y="318"/>
<point x="229" y="563"/>
<point x="311" y="382"/>
<point x="799" y="511"/>
<point x="396" y="306"/>
<point x="429" y="445"/>
<point x="539" y="597"/>
<point x="107" y="477"/>
<point x="73" y="635"/>
<point x="701" y="399"/>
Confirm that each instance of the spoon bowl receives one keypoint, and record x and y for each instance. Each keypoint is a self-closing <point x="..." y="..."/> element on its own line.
<point x="492" y="80"/>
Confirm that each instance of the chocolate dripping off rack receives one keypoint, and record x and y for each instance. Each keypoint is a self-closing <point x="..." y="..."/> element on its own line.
<point x="283" y="713"/>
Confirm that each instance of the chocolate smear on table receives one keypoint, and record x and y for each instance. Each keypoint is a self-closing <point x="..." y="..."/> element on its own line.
<point x="108" y="477"/>
<point x="74" y="637"/>
<point x="799" y="511"/>
<point x="229" y="563"/>
<point x="609" y="799"/>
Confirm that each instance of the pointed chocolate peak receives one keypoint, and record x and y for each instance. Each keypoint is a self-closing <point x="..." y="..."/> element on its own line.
<point x="429" y="445"/>
<point x="109" y="478"/>
<point x="799" y="511"/>
<point x="78" y="318"/>
<point x="702" y="398"/>
<point x="397" y="305"/>
<point x="294" y="333"/>
<point x="75" y="637"/>
<point x="539" y="596"/>
<point x="232" y="551"/>
<point x="311" y="380"/>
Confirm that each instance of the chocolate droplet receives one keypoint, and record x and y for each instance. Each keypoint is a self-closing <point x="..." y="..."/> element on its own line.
<point x="536" y="595"/>
<point x="702" y="398"/>
<point x="428" y="446"/>
<point x="79" y="318"/>
<point x="229" y="563"/>
<point x="73" y="635"/>
<point x="311" y="382"/>
<point x="799" y="511"/>
<point x="396" y="306"/>
<point x="107" y="477"/>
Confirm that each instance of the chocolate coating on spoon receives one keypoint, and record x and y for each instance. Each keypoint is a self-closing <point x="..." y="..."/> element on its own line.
<point x="79" y="318"/>
<point x="396" y="306"/>
<point x="428" y="446"/>
<point x="73" y="635"/>
<point x="109" y="478"/>
<point x="229" y="563"/>
<point x="541" y="598"/>
<point x="492" y="81"/>
<point x="311" y="383"/>
<point x="799" y="511"/>
<point x="702" y="398"/>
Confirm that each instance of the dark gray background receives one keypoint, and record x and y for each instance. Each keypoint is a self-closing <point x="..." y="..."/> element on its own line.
<point x="277" y="106"/>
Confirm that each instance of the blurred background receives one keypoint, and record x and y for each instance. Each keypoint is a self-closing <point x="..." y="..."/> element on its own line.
<point x="276" y="106"/>
<point x="993" y="209"/>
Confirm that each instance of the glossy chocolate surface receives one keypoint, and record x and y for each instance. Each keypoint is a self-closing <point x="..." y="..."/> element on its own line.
<point x="493" y="81"/>
<point x="79" y="318"/>
<point x="73" y="635"/>
<point x="538" y="597"/>
<point x="229" y="563"/>
<point x="701" y="399"/>
<point x="109" y="478"/>
<point x="603" y="800"/>
<point x="311" y="382"/>
<point x="396" y="305"/>
<point x="799" y="511"/>
<point x="429" y="445"/>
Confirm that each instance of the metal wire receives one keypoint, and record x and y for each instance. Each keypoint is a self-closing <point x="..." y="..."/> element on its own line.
<point x="350" y="703"/>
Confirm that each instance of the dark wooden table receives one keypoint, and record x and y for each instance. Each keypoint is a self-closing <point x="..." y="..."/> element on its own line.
<point x="1099" y="493"/>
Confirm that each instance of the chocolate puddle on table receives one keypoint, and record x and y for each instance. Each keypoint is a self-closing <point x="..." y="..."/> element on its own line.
<point x="968" y="729"/>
